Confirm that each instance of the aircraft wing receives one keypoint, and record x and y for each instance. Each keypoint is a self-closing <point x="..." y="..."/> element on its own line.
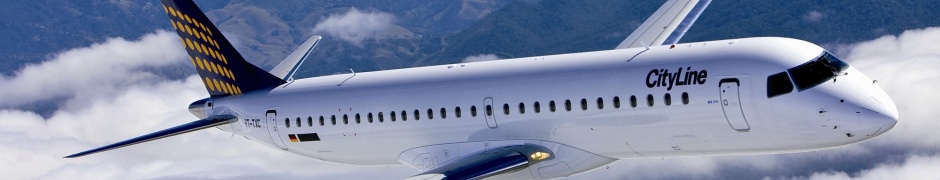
<point x="488" y="163"/>
<point x="667" y="25"/>
<point x="285" y="70"/>
<point x="181" y="129"/>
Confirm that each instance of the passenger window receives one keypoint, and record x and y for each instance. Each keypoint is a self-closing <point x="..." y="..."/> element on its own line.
<point x="392" y="115"/>
<point x="521" y="108"/>
<point x="309" y="121"/>
<point x="404" y="116"/>
<point x="417" y="115"/>
<point x="506" y="109"/>
<point x="778" y="84"/>
<point x="551" y="106"/>
<point x="286" y="122"/>
<point x="345" y="119"/>
<point x="298" y="121"/>
<point x="443" y="113"/>
<point x="583" y="104"/>
<point x="473" y="111"/>
<point x="457" y="111"/>
<point x="321" y="121"/>
<point x="370" y="117"/>
<point x="489" y="110"/>
<point x="567" y="105"/>
<point x="600" y="103"/>
<point x="430" y="114"/>
<point x="649" y="100"/>
<point x="382" y="117"/>
<point x="685" y="98"/>
<point x="536" y="107"/>
<point x="616" y="102"/>
<point x="333" y="119"/>
<point x="357" y="118"/>
<point x="668" y="99"/>
<point x="633" y="101"/>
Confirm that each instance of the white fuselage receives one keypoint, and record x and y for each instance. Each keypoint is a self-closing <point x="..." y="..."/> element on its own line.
<point x="727" y="110"/>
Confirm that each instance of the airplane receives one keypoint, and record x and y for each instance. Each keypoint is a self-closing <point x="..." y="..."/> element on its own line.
<point x="541" y="117"/>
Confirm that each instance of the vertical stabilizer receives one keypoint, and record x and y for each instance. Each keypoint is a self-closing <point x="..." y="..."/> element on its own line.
<point x="221" y="68"/>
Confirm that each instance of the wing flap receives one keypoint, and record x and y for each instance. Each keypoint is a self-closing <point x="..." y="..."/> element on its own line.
<point x="181" y="129"/>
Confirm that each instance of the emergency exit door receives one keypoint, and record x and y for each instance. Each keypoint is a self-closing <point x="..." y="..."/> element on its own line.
<point x="488" y="112"/>
<point x="271" y="122"/>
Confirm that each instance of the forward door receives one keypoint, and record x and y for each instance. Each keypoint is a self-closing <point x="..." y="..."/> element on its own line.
<point x="731" y="104"/>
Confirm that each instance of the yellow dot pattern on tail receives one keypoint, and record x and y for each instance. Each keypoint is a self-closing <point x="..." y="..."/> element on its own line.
<point x="221" y="68"/>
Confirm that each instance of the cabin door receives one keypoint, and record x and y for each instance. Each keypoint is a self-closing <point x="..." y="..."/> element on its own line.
<point x="488" y="112"/>
<point x="731" y="104"/>
<point x="272" y="124"/>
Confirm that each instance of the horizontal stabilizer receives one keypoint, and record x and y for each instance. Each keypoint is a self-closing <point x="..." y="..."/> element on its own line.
<point x="181" y="129"/>
<point x="489" y="163"/>
<point x="286" y="69"/>
<point x="667" y="25"/>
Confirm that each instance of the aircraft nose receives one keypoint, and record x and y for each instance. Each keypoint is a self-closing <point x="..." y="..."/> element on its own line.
<point x="886" y="118"/>
<point x="882" y="113"/>
<point x="889" y="111"/>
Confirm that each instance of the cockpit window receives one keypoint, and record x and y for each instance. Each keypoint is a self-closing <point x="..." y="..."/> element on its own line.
<point x="778" y="84"/>
<point x="818" y="71"/>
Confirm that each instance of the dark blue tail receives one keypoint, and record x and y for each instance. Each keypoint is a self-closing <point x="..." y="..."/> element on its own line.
<point x="221" y="68"/>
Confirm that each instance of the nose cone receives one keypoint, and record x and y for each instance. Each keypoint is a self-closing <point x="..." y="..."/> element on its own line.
<point x="879" y="114"/>
<point x="887" y="114"/>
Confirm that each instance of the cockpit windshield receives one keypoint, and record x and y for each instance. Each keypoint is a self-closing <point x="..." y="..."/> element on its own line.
<point x="818" y="71"/>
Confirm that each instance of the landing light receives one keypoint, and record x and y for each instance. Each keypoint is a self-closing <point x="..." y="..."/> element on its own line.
<point x="538" y="156"/>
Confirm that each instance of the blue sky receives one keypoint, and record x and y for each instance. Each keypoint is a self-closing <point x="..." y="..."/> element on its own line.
<point x="110" y="91"/>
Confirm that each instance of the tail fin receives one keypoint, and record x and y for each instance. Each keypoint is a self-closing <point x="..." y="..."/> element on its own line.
<point x="221" y="68"/>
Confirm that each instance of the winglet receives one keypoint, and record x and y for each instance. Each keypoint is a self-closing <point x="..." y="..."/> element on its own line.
<point x="286" y="69"/>
<point x="667" y="25"/>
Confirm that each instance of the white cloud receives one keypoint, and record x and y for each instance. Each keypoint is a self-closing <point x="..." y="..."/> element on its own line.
<point x="814" y="16"/>
<point x="480" y="57"/>
<point x="92" y="72"/>
<point x="355" y="26"/>
<point x="914" y="167"/>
